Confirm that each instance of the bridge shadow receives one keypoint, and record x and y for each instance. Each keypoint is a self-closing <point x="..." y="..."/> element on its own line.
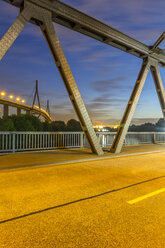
<point x="79" y="200"/>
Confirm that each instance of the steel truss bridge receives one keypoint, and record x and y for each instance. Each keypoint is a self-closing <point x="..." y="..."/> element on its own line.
<point x="44" y="12"/>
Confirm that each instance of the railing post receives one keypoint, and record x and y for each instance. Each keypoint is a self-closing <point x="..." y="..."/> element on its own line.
<point x="13" y="142"/>
<point x="125" y="140"/>
<point x="154" y="138"/>
<point x="82" y="140"/>
<point x="99" y="139"/>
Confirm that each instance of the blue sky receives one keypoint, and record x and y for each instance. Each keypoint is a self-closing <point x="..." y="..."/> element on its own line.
<point x="105" y="76"/>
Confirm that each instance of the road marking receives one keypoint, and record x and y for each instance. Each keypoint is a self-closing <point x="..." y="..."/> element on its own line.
<point x="146" y="196"/>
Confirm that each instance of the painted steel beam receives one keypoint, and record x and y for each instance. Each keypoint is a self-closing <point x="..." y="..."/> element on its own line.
<point x="72" y="18"/>
<point x="131" y="106"/>
<point x="14" y="31"/>
<point x="50" y="35"/>
<point x="159" y="41"/>
<point x="159" y="86"/>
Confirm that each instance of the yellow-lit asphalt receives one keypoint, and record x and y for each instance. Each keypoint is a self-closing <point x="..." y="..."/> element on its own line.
<point x="141" y="198"/>
<point x="85" y="204"/>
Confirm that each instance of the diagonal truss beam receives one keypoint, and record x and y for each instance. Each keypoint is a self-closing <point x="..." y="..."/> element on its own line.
<point x="50" y="35"/>
<point x="131" y="106"/>
<point x="15" y="29"/>
<point x="159" y="41"/>
<point x="159" y="86"/>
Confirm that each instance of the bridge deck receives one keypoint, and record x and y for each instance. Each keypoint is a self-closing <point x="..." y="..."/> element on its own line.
<point x="85" y="204"/>
<point x="62" y="156"/>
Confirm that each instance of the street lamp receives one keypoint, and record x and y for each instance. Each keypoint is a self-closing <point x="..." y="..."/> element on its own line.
<point x="3" y="93"/>
<point x="11" y="96"/>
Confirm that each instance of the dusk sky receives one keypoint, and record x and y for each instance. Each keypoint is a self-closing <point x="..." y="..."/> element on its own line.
<point x="105" y="76"/>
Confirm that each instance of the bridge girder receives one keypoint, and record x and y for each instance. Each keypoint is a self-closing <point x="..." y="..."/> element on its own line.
<point x="78" y="21"/>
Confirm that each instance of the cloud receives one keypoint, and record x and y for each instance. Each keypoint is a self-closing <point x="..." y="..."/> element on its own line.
<point x="110" y="85"/>
<point x="105" y="107"/>
<point x="14" y="83"/>
<point x="108" y="98"/>
<point x="100" y="55"/>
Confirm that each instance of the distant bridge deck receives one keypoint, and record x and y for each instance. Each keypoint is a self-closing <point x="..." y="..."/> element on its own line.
<point x="33" y="110"/>
<point x="67" y="156"/>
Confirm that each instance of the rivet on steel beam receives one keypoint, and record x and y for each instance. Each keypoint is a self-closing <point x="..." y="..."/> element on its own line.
<point x="71" y="97"/>
<point x="58" y="63"/>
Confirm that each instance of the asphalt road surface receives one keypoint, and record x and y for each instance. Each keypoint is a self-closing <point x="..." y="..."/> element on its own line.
<point x="114" y="203"/>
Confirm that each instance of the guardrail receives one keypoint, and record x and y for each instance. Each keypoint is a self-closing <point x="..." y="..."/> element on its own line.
<point x="26" y="141"/>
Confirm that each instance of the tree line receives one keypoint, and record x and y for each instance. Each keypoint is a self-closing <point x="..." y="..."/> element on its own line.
<point x="159" y="126"/>
<point x="33" y="123"/>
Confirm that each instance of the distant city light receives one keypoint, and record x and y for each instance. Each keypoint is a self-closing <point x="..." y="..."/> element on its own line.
<point x="3" y="93"/>
<point x="116" y="126"/>
<point x="11" y="96"/>
<point x="18" y="99"/>
<point x="23" y="101"/>
<point x="99" y="126"/>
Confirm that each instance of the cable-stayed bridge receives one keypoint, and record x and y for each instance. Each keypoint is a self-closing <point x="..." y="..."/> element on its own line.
<point x="20" y="104"/>
<point x="35" y="110"/>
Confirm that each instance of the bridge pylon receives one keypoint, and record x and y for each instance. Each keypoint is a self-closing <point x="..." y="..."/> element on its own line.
<point x="48" y="107"/>
<point x="36" y="96"/>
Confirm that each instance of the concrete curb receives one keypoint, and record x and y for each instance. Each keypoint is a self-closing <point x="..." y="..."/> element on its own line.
<point x="78" y="161"/>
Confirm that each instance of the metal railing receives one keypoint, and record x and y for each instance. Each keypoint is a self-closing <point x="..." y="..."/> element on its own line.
<point x="26" y="141"/>
<point x="133" y="138"/>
